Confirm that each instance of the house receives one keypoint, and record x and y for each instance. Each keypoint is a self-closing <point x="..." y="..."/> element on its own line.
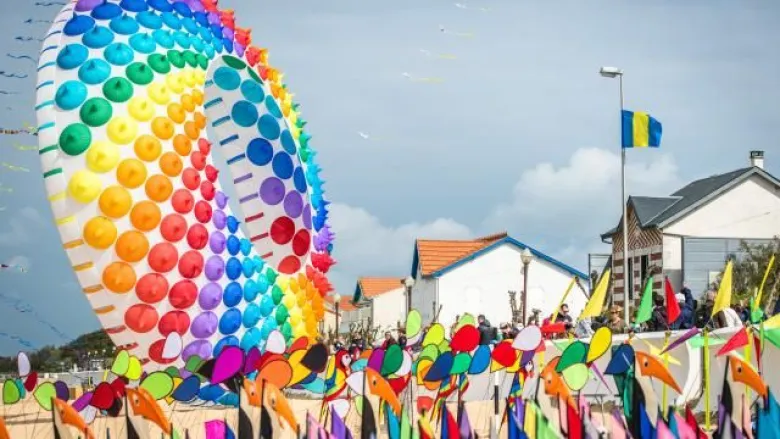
<point x="689" y="235"/>
<point x="476" y="276"/>
<point x="378" y="301"/>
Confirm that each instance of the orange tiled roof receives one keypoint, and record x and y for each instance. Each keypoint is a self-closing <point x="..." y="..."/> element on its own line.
<point x="375" y="286"/>
<point x="436" y="254"/>
<point x="345" y="304"/>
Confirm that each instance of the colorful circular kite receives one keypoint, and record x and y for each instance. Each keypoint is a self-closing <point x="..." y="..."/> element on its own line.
<point x="126" y="93"/>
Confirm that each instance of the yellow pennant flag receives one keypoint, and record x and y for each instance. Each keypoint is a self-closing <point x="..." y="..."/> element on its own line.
<point x="757" y="302"/>
<point x="596" y="302"/>
<point x="723" y="299"/>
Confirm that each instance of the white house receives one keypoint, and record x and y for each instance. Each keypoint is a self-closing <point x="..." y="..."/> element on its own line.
<point x="689" y="235"/>
<point x="475" y="277"/>
<point x="378" y="301"/>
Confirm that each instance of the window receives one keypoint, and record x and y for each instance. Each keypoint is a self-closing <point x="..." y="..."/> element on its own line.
<point x="644" y="269"/>
<point x="629" y="277"/>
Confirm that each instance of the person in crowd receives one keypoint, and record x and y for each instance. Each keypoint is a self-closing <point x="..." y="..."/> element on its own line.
<point x="687" y="309"/>
<point x="616" y="323"/>
<point x="658" y="320"/>
<point x="389" y="340"/>
<point x="704" y="313"/>
<point x="508" y="332"/>
<point x="486" y="331"/>
<point x="731" y="318"/>
<point x="563" y="315"/>
<point x="584" y="328"/>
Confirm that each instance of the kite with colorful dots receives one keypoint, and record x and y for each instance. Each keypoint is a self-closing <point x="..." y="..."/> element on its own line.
<point x="126" y="91"/>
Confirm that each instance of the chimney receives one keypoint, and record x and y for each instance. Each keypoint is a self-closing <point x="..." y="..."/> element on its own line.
<point x="757" y="159"/>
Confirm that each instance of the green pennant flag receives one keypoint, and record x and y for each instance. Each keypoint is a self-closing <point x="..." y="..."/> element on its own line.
<point x="645" y="310"/>
<point x="772" y="335"/>
<point x="406" y="426"/>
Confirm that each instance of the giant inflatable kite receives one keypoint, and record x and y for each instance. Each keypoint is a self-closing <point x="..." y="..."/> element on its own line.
<point x="126" y="92"/>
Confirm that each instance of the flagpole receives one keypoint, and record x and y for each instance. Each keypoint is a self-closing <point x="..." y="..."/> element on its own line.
<point x="626" y="291"/>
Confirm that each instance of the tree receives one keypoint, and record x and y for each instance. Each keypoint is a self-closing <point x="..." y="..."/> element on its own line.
<point x="749" y="268"/>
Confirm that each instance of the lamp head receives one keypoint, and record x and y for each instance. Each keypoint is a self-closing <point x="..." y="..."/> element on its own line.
<point x="526" y="256"/>
<point x="337" y="298"/>
<point x="409" y="282"/>
<point x="610" y="72"/>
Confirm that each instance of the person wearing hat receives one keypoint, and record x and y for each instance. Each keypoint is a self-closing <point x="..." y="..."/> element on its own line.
<point x="614" y="322"/>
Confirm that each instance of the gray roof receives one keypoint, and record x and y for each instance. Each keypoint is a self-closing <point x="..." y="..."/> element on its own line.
<point x="660" y="211"/>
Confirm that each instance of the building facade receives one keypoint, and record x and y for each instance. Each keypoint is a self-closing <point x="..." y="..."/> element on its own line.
<point x="689" y="235"/>
<point x="475" y="276"/>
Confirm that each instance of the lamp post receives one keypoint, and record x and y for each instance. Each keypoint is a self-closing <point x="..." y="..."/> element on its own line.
<point x="408" y="284"/>
<point x="612" y="73"/>
<point x="526" y="256"/>
<point x="336" y="302"/>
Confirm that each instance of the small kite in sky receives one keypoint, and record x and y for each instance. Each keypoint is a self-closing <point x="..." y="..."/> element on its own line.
<point x="444" y="30"/>
<point x="46" y="4"/>
<point x="430" y="54"/>
<point x="8" y="93"/>
<point x="14" y="167"/>
<point x="5" y="74"/>
<point x="462" y="6"/>
<point x="27" y="39"/>
<point x="19" y="147"/>
<point x="27" y="57"/>
<point x="15" y="267"/>
<point x="421" y="79"/>
<point x="367" y="136"/>
<point x="33" y="21"/>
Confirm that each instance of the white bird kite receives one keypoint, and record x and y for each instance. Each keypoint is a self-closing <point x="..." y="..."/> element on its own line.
<point x="462" y="6"/>
<point x="419" y="79"/>
<point x="444" y="30"/>
<point x="430" y="54"/>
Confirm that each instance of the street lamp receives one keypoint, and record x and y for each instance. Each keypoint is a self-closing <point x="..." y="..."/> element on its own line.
<point x="612" y="73"/>
<point x="408" y="283"/>
<point x="336" y="302"/>
<point x="526" y="256"/>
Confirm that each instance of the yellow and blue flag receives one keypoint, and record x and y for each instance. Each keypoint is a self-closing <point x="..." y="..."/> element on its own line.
<point x="640" y="130"/>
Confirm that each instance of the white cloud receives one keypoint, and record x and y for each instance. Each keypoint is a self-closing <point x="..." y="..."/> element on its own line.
<point x="561" y="210"/>
<point x="366" y="247"/>
<point x="20" y="228"/>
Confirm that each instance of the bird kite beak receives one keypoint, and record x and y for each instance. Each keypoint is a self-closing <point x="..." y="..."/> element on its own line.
<point x="144" y="405"/>
<point x="742" y="372"/>
<point x="252" y="391"/>
<point x="381" y="388"/>
<point x="553" y="383"/>
<point x="649" y="366"/>
<point x="276" y="400"/>
<point x="70" y="416"/>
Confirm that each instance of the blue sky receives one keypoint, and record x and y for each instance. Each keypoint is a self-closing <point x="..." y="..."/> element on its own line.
<point x="521" y="134"/>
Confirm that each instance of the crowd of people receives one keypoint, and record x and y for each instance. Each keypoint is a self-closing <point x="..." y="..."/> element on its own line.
<point x="560" y="324"/>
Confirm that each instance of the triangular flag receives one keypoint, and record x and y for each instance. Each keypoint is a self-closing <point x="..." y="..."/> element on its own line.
<point x="738" y="340"/>
<point x="406" y="425"/>
<point x="367" y="420"/>
<point x="338" y="430"/>
<point x="672" y="307"/>
<point x="393" y="424"/>
<point x="662" y="430"/>
<point x="693" y="424"/>
<point x="645" y="310"/>
<point x="768" y="419"/>
<point x="513" y="426"/>
<point x="723" y="299"/>
<point x="464" y="425"/>
<point x="596" y="302"/>
<point x="684" y="430"/>
<point x="449" y="427"/>
<point x="426" y="432"/>
<point x="574" y="423"/>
